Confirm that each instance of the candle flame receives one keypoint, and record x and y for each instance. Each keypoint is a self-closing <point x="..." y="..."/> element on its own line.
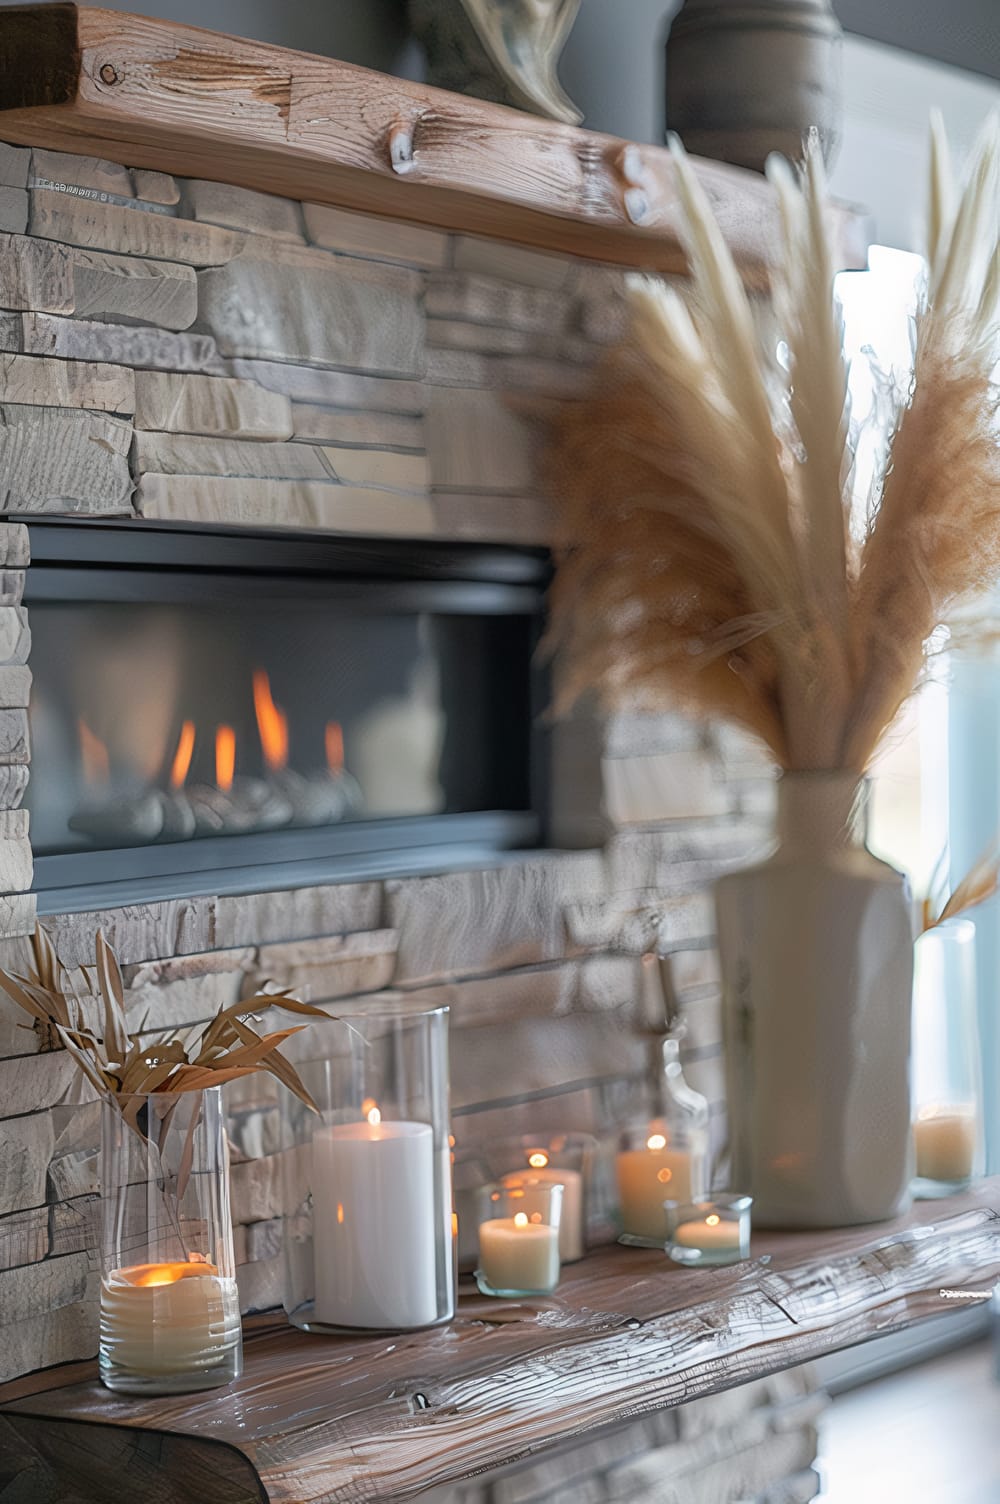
<point x="538" y="1160"/>
<point x="272" y="723"/>
<point x="225" y="757"/>
<point x="181" y="764"/>
<point x="149" y="1276"/>
<point x="374" y="1116"/>
<point x="93" y="755"/>
<point x="520" y="1220"/>
<point x="454" y="1224"/>
<point x="334" y="746"/>
<point x="340" y="1212"/>
<point x="713" y="1220"/>
<point x="656" y="1141"/>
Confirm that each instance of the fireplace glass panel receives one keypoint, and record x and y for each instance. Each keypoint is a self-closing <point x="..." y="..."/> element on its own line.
<point x="168" y="722"/>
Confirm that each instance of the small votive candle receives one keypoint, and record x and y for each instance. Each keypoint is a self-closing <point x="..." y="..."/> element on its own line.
<point x="519" y="1240"/>
<point x="557" y="1159"/>
<point x="650" y="1167"/>
<point x="945" y="1139"/>
<point x="713" y="1232"/>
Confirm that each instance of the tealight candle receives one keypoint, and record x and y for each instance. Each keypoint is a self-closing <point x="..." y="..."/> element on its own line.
<point x="709" y="1232"/>
<point x="649" y="1172"/>
<point x="518" y="1247"/>
<point x="171" y="1320"/>
<point x="945" y="1140"/>
<point x="373" y="1224"/>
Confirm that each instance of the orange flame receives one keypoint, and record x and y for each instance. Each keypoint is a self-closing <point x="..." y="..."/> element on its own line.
<point x="335" y="746"/>
<point x="225" y="757"/>
<point x="146" y="1275"/>
<point x="93" y="755"/>
<point x="182" y="757"/>
<point x="272" y="723"/>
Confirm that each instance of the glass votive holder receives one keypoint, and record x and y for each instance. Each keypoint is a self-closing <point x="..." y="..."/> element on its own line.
<point x="566" y="1159"/>
<point x="654" y="1162"/>
<point x="519" y="1240"/>
<point x="704" y="1234"/>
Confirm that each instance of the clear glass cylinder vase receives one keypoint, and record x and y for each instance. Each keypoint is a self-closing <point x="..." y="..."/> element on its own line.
<point x="368" y="1230"/>
<point x="947" y="1066"/>
<point x="816" y="946"/>
<point x="170" y="1311"/>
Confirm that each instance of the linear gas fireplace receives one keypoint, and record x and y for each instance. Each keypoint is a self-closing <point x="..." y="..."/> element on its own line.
<point x="212" y="712"/>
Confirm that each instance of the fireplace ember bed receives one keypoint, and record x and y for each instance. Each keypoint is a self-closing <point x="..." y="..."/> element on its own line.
<point x="215" y="710"/>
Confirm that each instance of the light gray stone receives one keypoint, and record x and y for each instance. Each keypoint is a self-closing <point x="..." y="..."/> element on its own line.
<point x="33" y="1082"/>
<point x="184" y="990"/>
<point x="128" y="290"/>
<point x="120" y="344"/>
<point x="476" y="443"/>
<point x="17" y="917"/>
<point x="664" y="786"/>
<point x="505" y="305"/>
<point x="258" y="1187"/>
<point x="261" y="1285"/>
<point x="15" y="688"/>
<point x="75" y="1169"/>
<point x="377" y="239"/>
<point x="527" y="992"/>
<point x="14" y="164"/>
<point x="13" y="786"/>
<point x="269" y="503"/>
<point x="56" y="459"/>
<point x="45" y="1286"/>
<point x="257" y="1241"/>
<point x="488" y="339"/>
<point x="11" y="593"/>
<point x="24" y="1237"/>
<point x="35" y="275"/>
<point x="602" y="312"/>
<point x="493" y="519"/>
<point x="215" y="405"/>
<point x="14" y="744"/>
<point x="15" y="635"/>
<point x="82" y="172"/>
<point x="297" y="914"/>
<point x="13" y="210"/>
<point x="636" y="923"/>
<point x="15" y="847"/>
<point x="376" y="394"/>
<point x="155" y="187"/>
<point x="312" y="423"/>
<point x="638" y="734"/>
<point x="66" y="383"/>
<point x="314" y="307"/>
<point x="511" y="1058"/>
<point x="73" y="220"/>
<point x="511" y="373"/>
<point x="468" y="922"/>
<point x="138" y="932"/>
<point x="191" y="968"/>
<point x="15" y="549"/>
<point x="512" y="263"/>
<point x="54" y="1337"/>
<point x="329" y="967"/>
<point x="242" y="209"/>
<point x="26" y="1145"/>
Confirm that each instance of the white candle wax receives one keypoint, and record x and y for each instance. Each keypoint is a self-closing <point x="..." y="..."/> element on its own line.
<point x="165" y="1319"/>
<point x="646" y="1178"/>
<point x="708" y="1232"/>
<point x="945" y="1141"/>
<point x="535" y="1184"/>
<point x="374" y="1225"/>
<point x="516" y="1254"/>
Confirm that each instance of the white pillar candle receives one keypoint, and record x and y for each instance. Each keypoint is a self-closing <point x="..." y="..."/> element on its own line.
<point x="945" y="1141"/>
<point x="169" y="1319"/>
<point x="516" y="1254"/>
<point x="711" y="1232"/>
<point x="646" y="1178"/>
<point x="374" y="1225"/>
<point x="535" y="1184"/>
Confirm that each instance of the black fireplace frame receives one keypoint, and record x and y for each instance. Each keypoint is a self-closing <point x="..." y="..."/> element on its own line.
<point x="129" y="561"/>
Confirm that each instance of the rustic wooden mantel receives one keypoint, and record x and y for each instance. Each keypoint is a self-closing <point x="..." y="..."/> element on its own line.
<point x="329" y="1420"/>
<point x="178" y="99"/>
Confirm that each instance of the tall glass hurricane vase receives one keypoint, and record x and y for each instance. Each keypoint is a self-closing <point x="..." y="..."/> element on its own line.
<point x="170" y="1312"/>
<point x="817" y="958"/>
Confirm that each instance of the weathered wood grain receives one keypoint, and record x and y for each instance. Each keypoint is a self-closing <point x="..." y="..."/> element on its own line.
<point x="202" y="104"/>
<point x="340" y="1420"/>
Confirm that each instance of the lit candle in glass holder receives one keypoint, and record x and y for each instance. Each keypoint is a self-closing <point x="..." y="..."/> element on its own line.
<point x="518" y="1247"/>
<point x="651" y="1167"/>
<point x="709" y="1232"/>
<point x="562" y="1160"/>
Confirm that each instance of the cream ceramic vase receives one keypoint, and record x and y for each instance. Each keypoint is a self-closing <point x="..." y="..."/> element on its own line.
<point x="816" y="946"/>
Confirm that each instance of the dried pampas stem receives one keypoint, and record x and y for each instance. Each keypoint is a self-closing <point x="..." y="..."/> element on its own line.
<point x="706" y="553"/>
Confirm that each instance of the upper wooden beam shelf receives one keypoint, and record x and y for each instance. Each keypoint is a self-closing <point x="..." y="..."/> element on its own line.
<point x="178" y="99"/>
<point x="328" y="1420"/>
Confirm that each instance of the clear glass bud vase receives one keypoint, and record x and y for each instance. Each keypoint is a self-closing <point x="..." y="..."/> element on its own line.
<point x="170" y="1311"/>
<point x="368" y="1223"/>
<point x="816" y="945"/>
<point x="947" y="1066"/>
